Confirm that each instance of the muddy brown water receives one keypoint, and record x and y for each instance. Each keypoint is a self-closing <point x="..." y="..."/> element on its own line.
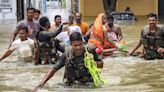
<point x="125" y="74"/>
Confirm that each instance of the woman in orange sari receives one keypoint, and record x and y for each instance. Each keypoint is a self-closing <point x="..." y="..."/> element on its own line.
<point x="98" y="36"/>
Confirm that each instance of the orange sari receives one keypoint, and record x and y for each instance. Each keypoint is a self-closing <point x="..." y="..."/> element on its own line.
<point x="97" y="37"/>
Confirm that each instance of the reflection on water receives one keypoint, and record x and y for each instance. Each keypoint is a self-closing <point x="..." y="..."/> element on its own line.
<point x="125" y="74"/>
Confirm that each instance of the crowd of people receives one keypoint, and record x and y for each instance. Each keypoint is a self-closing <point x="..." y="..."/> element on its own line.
<point x="63" y="44"/>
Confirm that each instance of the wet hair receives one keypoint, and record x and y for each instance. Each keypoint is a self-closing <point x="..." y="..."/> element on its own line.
<point x="76" y="36"/>
<point x="152" y="15"/>
<point x="24" y="28"/>
<point x="37" y="11"/>
<point x="56" y="16"/>
<point x="30" y="8"/>
<point x="43" y="21"/>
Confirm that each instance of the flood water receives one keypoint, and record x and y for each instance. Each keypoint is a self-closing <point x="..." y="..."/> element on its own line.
<point x="125" y="74"/>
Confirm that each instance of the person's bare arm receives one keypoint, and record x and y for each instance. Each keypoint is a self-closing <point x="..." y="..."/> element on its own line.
<point x="120" y="36"/>
<point x="89" y="32"/>
<point x="13" y="37"/>
<point x="7" y="53"/>
<point x="36" y="52"/>
<point x="60" y="63"/>
<point x="160" y="50"/>
<point x="50" y="73"/>
<point x="136" y="47"/>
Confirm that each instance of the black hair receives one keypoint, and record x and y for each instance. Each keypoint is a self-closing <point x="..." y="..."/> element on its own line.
<point x="30" y="8"/>
<point x="23" y="27"/>
<point x="43" y="21"/>
<point x="110" y="17"/>
<point x="37" y="11"/>
<point x="75" y="36"/>
<point x="127" y="8"/>
<point x="71" y="16"/>
<point x="56" y="16"/>
<point x="152" y="15"/>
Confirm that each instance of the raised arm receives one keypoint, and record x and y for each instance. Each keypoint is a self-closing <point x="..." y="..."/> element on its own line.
<point x="45" y="35"/>
<point x="13" y="37"/>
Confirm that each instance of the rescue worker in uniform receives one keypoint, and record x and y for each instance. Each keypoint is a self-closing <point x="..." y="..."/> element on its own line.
<point x="152" y="38"/>
<point x="73" y="60"/>
<point x="46" y="45"/>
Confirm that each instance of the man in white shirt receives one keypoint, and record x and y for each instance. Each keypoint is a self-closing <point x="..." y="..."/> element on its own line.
<point x="23" y="46"/>
<point x="66" y="32"/>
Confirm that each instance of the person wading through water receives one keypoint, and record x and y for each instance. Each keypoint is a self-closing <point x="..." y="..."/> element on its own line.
<point x="73" y="60"/>
<point x="46" y="45"/>
<point x="152" y="38"/>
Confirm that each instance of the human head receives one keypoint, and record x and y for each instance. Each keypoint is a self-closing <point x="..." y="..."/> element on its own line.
<point x="73" y="29"/>
<point x="30" y="13"/>
<point x="65" y="28"/>
<point x="108" y="29"/>
<point x="152" y="19"/>
<point x="36" y="14"/>
<point x="23" y="33"/>
<point x="44" y="22"/>
<point x="71" y="19"/>
<point x="127" y="8"/>
<point x="78" y="17"/>
<point x="110" y="20"/>
<point x="57" y="20"/>
<point x="104" y="19"/>
<point x="77" y="43"/>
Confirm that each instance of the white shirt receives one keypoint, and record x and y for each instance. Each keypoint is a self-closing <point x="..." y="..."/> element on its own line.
<point x="73" y="29"/>
<point x="23" y="48"/>
<point x="63" y="37"/>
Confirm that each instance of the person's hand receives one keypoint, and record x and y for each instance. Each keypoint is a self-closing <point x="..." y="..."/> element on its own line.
<point x="37" y="87"/>
<point x="130" y="54"/>
<point x="65" y="23"/>
<point x="160" y="50"/>
<point x="60" y="26"/>
<point x="100" y="64"/>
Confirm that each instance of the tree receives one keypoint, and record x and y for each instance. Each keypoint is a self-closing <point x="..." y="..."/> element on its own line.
<point x="109" y="6"/>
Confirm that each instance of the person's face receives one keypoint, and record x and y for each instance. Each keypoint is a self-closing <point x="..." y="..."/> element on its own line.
<point x="110" y="22"/>
<point x="71" y="18"/>
<point x="107" y="27"/>
<point x="30" y="14"/>
<point x="48" y="25"/>
<point x="77" y="47"/>
<point x="36" y="16"/>
<point x="152" y="21"/>
<point x="104" y="20"/>
<point x="23" y="35"/>
<point x="78" y="18"/>
<point x="58" y="20"/>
